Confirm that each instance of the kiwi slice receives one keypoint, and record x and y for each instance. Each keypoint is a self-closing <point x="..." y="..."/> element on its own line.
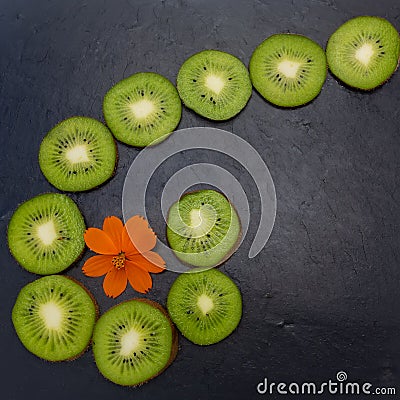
<point x="45" y="234"/>
<point x="134" y="341"/>
<point x="288" y="70"/>
<point x="214" y="84"/>
<point x="205" y="306"/>
<point x="54" y="318"/>
<point x="364" y="52"/>
<point x="203" y="228"/>
<point x="78" y="154"/>
<point x="142" y="109"/>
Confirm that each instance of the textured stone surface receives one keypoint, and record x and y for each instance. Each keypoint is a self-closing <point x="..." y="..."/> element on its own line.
<point x="323" y="295"/>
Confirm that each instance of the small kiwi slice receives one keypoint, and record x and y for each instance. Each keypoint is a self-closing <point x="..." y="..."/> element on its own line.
<point x="142" y="109"/>
<point x="54" y="318"/>
<point x="364" y="52"/>
<point x="45" y="234"/>
<point x="78" y="154"/>
<point x="214" y="84"/>
<point x="205" y="306"/>
<point x="134" y="342"/>
<point x="288" y="70"/>
<point x="203" y="228"/>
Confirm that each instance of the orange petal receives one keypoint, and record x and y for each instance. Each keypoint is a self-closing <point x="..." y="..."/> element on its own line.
<point x="97" y="265"/>
<point x="140" y="280"/>
<point x="113" y="227"/>
<point x="115" y="282"/>
<point x="98" y="241"/>
<point x="155" y="258"/>
<point x="142" y="237"/>
<point x="127" y="246"/>
<point x="148" y="261"/>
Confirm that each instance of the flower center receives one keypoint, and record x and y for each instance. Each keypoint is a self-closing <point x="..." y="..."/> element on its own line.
<point x="119" y="261"/>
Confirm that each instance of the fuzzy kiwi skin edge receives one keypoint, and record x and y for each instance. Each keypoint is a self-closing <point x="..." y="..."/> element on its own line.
<point x="116" y="157"/>
<point x="174" y="345"/>
<point x="96" y="306"/>
<point x="97" y="314"/>
<point x="230" y="253"/>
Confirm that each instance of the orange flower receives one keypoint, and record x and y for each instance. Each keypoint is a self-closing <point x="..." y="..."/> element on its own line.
<point x="120" y="259"/>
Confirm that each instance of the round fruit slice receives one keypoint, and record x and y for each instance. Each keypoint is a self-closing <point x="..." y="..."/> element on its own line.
<point x="54" y="318"/>
<point x="203" y="228"/>
<point x="78" y="154"/>
<point x="214" y="84"/>
<point x="364" y="52"/>
<point x="142" y="109"/>
<point x="288" y="70"/>
<point x="134" y="342"/>
<point x="45" y="234"/>
<point x="205" y="306"/>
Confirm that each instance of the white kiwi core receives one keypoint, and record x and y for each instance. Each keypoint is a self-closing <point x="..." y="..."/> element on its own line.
<point x="195" y="218"/>
<point x="205" y="304"/>
<point x="77" y="154"/>
<point x="364" y="53"/>
<point x="47" y="233"/>
<point x="142" y="108"/>
<point x="289" y="68"/>
<point x="129" y="342"/>
<point x="51" y="315"/>
<point x="214" y="83"/>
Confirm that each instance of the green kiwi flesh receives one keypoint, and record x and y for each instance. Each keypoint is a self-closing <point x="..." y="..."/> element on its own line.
<point x="288" y="70"/>
<point x="203" y="228"/>
<point x="205" y="306"/>
<point x="54" y="318"/>
<point x="133" y="342"/>
<point x="214" y="84"/>
<point x="78" y="154"/>
<point x="45" y="234"/>
<point x="364" y="52"/>
<point x="143" y="109"/>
